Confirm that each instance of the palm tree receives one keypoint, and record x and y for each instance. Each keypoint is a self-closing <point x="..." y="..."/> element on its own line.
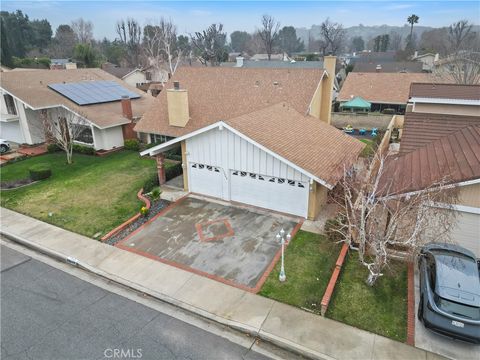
<point x="412" y="19"/>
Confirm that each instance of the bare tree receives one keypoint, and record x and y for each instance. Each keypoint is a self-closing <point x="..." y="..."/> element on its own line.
<point x="459" y="34"/>
<point x="130" y="34"/>
<point x="63" y="127"/>
<point x="210" y="45"/>
<point x="160" y="44"/>
<point x="269" y="33"/>
<point x="374" y="218"/>
<point x="333" y="36"/>
<point x="83" y="29"/>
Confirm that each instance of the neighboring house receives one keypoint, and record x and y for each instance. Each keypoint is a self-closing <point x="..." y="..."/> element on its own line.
<point x="428" y="60"/>
<point x="137" y="76"/>
<point x="382" y="90"/>
<point x="368" y="56"/>
<point x="441" y="142"/>
<point x="255" y="136"/>
<point x="264" y="57"/>
<point x="26" y="94"/>
<point x="62" y="64"/>
<point x="389" y="67"/>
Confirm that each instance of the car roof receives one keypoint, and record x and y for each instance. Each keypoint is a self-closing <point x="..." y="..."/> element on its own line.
<point x="457" y="277"/>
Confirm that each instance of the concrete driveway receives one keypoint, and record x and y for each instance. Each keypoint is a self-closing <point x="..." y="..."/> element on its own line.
<point x="231" y="244"/>
<point x="428" y="340"/>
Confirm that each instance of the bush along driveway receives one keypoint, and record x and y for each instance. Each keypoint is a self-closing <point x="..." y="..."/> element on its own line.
<point x="91" y="196"/>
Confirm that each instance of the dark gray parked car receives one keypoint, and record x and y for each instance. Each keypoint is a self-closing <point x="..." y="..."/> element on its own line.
<point x="450" y="291"/>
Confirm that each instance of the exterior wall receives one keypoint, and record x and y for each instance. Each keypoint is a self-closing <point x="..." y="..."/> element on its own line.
<point x="469" y="195"/>
<point x="178" y="112"/>
<point x="107" y="139"/>
<point x="368" y="121"/>
<point x="468" y="110"/>
<point x="135" y="78"/>
<point x="184" y="165"/>
<point x="316" y="102"/>
<point x="317" y="199"/>
<point x="35" y="125"/>
<point x="227" y="150"/>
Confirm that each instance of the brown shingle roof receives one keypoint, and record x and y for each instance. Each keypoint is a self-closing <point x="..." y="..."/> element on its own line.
<point x="217" y="93"/>
<point x="309" y="143"/>
<point x="32" y="88"/>
<point x="445" y="91"/>
<point x="453" y="158"/>
<point x="419" y="129"/>
<point x="387" y="88"/>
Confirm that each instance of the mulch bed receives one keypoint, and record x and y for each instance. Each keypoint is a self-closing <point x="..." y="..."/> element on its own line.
<point x="8" y="185"/>
<point x="155" y="208"/>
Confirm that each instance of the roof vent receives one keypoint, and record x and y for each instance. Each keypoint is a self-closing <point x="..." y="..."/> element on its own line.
<point x="176" y="85"/>
<point x="276" y="83"/>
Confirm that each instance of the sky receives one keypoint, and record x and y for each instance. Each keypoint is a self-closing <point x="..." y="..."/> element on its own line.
<point x="191" y="16"/>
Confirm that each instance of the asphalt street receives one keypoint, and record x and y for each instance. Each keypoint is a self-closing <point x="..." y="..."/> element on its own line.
<point x="49" y="314"/>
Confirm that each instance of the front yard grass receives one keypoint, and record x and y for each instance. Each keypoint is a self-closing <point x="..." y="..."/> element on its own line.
<point x="92" y="195"/>
<point x="381" y="309"/>
<point x="309" y="262"/>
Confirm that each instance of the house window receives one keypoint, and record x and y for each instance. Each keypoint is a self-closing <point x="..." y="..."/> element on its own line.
<point x="10" y="103"/>
<point x="159" y="139"/>
<point x="83" y="134"/>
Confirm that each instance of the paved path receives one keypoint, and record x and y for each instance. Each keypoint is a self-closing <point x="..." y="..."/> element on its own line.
<point x="281" y="324"/>
<point x="49" y="314"/>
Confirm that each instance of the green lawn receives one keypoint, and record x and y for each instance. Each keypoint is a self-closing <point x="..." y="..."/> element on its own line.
<point x="94" y="194"/>
<point x="369" y="149"/>
<point x="381" y="309"/>
<point x="309" y="261"/>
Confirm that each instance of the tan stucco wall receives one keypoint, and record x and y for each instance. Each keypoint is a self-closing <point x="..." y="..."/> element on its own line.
<point x="316" y="200"/>
<point x="469" y="195"/>
<point x="184" y="165"/>
<point x="468" y="110"/>
<point x="178" y="113"/>
<point x="316" y="102"/>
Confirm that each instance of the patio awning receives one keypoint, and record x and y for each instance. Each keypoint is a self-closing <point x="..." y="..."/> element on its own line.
<point x="357" y="103"/>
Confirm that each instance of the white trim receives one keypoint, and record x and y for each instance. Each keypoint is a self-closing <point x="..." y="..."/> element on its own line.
<point x="155" y="150"/>
<point x="461" y="208"/>
<point x="448" y="101"/>
<point x="131" y="72"/>
<point x="449" y="186"/>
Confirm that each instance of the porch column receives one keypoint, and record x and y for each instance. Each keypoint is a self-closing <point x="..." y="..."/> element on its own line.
<point x="161" y="168"/>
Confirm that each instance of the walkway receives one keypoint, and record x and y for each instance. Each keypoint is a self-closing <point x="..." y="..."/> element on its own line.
<point x="284" y="325"/>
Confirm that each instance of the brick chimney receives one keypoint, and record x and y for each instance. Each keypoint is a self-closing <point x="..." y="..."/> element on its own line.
<point x="177" y="103"/>
<point x="127" y="107"/>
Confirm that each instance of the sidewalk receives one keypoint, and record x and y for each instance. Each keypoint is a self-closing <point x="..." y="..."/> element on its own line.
<point x="283" y="325"/>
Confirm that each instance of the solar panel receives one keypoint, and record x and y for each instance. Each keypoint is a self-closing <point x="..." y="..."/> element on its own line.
<point x="93" y="92"/>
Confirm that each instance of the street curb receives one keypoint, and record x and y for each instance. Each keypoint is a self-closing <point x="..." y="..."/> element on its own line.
<point x="252" y="331"/>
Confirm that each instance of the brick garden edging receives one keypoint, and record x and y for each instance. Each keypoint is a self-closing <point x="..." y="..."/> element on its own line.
<point x="129" y="221"/>
<point x="333" y="280"/>
<point x="411" y="305"/>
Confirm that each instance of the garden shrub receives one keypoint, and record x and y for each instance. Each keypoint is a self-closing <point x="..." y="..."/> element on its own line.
<point x="156" y="193"/>
<point x="144" y="210"/>
<point x="40" y="171"/>
<point x="82" y="149"/>
<point x="150" y="183"/>
<point x="132" y="144"/>
<point x="51" y="148"/>
<point x="173" y="171"/>
<point x="174" y="157"/>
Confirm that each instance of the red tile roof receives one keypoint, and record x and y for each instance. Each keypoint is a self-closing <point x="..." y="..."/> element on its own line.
<point x="452" y="158"/>
<point x="445" y="91"/>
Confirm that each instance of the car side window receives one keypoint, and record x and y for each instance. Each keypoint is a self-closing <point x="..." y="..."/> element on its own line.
<point x="430" y="261"/>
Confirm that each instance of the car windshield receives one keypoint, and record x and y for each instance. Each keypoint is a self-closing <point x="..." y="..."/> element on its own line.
<point x="454" y="308"/>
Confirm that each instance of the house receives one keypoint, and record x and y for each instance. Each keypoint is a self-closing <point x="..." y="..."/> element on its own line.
<point x="92" y="94"/>
<point x="264" y="57"/>
<point x="62" y="64"/>
<point x="137" y="76"/>
<point x="382" y="90"/>
<point x="254" y="136"/>
<point x="389" y="67"/>
<point x="428" y="60"/>
<point x="441" y="142"/>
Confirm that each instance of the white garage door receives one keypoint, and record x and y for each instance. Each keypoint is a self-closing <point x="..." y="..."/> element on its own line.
<point x="11" y="131"/>
<point x="467" y="231"/>
<point x="278" y="194"/>
<point x="205" y="179"/>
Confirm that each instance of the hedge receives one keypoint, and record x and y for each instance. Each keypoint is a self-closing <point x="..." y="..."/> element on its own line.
<point x="173" y="171"/>
<point x="82" y="149"/>
<point x="132" y="144"/>
<point x="40" y="171"/>
<point x="150" y="183"/>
